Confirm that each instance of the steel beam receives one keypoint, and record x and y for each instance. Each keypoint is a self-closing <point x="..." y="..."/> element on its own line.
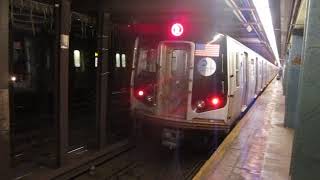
<point x="103" y="32"/>
<point x="294" y="13"/>
<point x="5" y="156"/>
<point x="62" y="11"/>
<point x="238" y="12"/>
<point x="4" y="43"/>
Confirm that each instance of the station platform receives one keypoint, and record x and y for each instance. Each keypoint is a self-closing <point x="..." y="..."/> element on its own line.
<point x="259" y="147"/>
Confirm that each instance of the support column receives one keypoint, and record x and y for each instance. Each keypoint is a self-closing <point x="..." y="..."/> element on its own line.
<point x="62" y="29"/>
<point x="4" y="91"/>
<point x="285" y="74"/>
<point x="306" y="155"/>
<point x="293" y="72"/>
<point x="102" y="73"/>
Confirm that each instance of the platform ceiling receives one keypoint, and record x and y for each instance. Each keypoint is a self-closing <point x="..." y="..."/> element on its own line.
<point x="229" y="23"/>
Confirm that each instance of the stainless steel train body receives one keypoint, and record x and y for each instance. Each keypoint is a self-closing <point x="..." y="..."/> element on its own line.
<point x="196" y="85"/>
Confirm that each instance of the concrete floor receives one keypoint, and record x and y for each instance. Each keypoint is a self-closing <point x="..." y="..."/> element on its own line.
<point x="260" y="149"/>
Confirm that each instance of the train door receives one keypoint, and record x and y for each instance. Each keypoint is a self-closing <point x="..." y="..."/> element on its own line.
<point x="263" y="74"/>
<point x="257" y="89"/>
<point x="245" y="75"/>
<point x="175" y="59"/>
<point x="236" y="89"/>
<point x="260" y="75"/>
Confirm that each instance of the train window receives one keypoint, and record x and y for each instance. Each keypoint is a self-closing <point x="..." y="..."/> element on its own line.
<point x="145" y="67"/>
<point x="179" y="62"/>
<point x="174" y="61"/>
<point x="118" y="61"/>
<point x="76" y="58"/>
<point x="147" y="60"/>
<point x="237" y="70"/>
<point x="123" y="60"/>
<point x="237" y="61"/>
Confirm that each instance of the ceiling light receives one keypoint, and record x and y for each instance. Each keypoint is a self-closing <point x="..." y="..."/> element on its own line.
<point x="264" y="13"/>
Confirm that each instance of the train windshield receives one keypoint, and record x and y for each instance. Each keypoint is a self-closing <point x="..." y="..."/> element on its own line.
<point x="146" y="63"/>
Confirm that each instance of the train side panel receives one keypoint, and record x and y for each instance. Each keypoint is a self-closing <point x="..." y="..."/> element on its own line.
<point x="236" y="79"/>
<point x="258" y="75"/>
<point x="242" y="78"/>
<point x="248" y="75"/>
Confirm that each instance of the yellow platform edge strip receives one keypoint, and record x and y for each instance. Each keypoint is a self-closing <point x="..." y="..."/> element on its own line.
<point x="218" y="155"/>
<point x="211" y="164"/>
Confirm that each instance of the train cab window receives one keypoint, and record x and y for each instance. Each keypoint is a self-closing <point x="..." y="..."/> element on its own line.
<point x="145" y="67"/>
<point x="76" y="58"/>
<point x="179" y="62"/>
<point x="118" y="61"/>
<point x="237" y="70"/>
<point x="147" y="60"/>
<point x="123" y="60"/>
<point x="174" y="61"/>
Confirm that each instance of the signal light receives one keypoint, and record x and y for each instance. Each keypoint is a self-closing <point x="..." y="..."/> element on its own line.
<point x="215" y="101"/>
<point x="140" y="93"/>
<point x="177" y="29"/>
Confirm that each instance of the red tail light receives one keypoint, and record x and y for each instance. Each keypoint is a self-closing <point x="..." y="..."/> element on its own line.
<point x="145" y="95"/>
<point x="210" y="103"/>
<point x="140" y="93"/>
<point x="215" y="101"/>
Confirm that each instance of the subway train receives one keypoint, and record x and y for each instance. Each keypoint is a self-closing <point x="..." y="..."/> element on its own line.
<point x="188" y="84"/>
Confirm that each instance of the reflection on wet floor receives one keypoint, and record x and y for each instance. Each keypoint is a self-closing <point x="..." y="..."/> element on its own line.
<point x="262" y="150"/>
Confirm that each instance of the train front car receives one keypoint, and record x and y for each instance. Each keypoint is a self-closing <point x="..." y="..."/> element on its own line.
<point x="180" y="80"/>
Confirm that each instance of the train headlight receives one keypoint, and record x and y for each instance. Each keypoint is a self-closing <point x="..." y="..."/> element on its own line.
<point x="201" y="104"/>
<point x="149" y="98"/>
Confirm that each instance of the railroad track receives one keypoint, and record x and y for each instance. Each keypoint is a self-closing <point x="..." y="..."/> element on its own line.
<point x="131" y="171"/>
<point x="148" y="164"/>
<point x="139" y="171"/>
<point x="193" y="171"/>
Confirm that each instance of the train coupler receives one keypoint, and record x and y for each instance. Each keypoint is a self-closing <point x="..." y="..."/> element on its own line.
<point x="171" y="138"/>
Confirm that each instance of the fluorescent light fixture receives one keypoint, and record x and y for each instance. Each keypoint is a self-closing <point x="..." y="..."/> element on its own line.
<point x="76" y="58"/>
<point x="123" y="60"/>
<point x="249" y="28"/>
<point x="118" y="61"/>
<point x="96" y="58"/>
<point x="264" y="12"/>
